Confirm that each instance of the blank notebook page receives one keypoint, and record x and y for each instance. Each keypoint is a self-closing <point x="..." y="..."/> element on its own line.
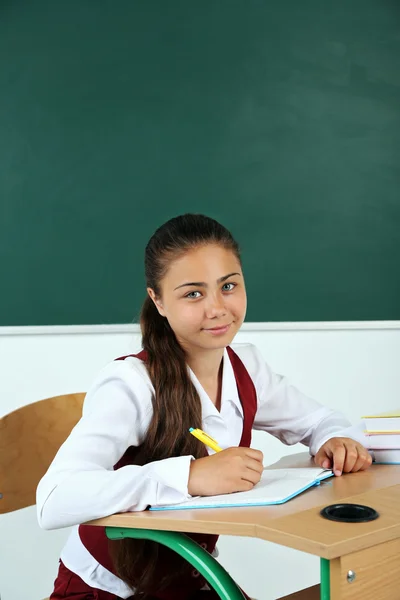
<point x="276" y="486"/>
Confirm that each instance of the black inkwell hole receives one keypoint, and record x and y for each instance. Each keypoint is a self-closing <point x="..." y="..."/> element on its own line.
<point x="349" y="513"/>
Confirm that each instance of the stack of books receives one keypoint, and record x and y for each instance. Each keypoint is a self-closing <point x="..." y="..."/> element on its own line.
<point x="383" y="433"/>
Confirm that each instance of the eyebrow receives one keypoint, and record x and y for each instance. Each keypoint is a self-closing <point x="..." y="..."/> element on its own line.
<point x="203" y="284"/>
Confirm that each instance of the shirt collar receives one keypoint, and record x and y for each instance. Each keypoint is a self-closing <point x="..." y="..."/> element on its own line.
<point x="229" y="386"/>
<point x="229" y="392"/>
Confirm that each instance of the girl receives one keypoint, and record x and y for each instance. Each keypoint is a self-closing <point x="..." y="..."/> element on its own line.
<point x="132" y="449"/>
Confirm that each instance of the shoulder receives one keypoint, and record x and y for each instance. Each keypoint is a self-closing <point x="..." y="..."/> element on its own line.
<point x="129" y="370"/>
<point x="120" y="381"/>
<point x="260" y="372"/>
<point x="252" y="359"/>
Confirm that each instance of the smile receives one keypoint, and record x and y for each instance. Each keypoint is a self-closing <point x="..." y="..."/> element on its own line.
<point x="218" y="330"/>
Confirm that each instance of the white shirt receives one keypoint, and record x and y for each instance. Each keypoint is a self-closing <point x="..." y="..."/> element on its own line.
<point x="81" y="484"/>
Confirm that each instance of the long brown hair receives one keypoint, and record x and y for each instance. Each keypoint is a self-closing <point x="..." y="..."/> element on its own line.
<point x="176" y="403"/>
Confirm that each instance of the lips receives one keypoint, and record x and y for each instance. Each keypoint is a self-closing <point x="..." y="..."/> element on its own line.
<point x="219" y="329"/>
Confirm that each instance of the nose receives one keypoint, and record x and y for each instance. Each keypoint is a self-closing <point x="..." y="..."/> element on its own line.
<point x="215" y="308"/>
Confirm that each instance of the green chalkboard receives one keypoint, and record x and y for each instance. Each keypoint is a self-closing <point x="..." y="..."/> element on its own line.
<point x="279" y="118"/>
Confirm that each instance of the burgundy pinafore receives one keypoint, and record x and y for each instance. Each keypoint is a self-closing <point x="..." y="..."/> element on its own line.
<point x="68" y="585"/>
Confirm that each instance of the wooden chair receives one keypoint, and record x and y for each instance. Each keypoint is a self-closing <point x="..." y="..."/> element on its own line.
<point x="30" y="438"/>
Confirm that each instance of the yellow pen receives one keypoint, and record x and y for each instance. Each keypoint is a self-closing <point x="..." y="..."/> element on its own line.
<point x="206" y="439"/>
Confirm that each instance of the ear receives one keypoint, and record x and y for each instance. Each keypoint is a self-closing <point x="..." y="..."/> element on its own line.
<point x="157" y="301"/>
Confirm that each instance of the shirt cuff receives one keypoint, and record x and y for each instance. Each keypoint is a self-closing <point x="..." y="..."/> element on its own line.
<point x="172" y="477"/>
<point x="354" y="432"/>
<point x="334" y="425"/>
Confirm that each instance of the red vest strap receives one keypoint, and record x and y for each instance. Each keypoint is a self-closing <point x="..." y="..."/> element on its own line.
<point x="142" y="355"/>
<point x="247" y="394"/>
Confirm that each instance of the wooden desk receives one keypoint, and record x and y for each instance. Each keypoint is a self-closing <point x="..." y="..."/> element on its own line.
<point x="371" y="550"/>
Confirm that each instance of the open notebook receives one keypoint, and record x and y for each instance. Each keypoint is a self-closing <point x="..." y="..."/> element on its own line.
<point x="276" y="487"/>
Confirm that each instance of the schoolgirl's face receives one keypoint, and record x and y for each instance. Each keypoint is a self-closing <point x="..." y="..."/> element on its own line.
<point x="203" y="296"/>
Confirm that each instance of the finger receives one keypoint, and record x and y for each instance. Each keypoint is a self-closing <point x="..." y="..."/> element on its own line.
<point x="244" y="486"/>
<point x="322" y="459"/>
<point x="255" y="465"/>
<point x="359" y="464"/>
<point x="339" y="456"/>
<point x="254" y="454"/>
<point x="368" y="462"/>
<point x="364" y="460"/>
<point x="251" y="476"/>
<point x="351" y="458"/>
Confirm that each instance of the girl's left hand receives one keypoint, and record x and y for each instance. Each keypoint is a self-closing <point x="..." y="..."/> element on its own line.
<point x="343" y="455"/>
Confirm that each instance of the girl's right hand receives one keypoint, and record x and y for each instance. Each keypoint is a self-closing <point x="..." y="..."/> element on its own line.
<point x="233" y="470"/>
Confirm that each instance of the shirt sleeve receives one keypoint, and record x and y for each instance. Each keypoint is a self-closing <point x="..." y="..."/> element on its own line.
<point x="290" y="415"/>
<point x="81" y="484"/>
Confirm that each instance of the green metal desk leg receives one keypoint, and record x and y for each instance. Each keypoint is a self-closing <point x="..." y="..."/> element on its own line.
<point x="202" y="561"/>
<point x="325" y="579"/>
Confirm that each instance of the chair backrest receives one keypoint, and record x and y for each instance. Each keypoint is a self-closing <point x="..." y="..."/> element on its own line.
<point x="29" y="439"/>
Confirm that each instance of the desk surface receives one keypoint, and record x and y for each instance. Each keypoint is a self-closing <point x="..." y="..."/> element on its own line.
<point x="296" y="524"/>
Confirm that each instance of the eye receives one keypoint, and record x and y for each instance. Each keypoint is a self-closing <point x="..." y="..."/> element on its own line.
<point x="191" y="295"/>
<point x="228" y="287"/>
